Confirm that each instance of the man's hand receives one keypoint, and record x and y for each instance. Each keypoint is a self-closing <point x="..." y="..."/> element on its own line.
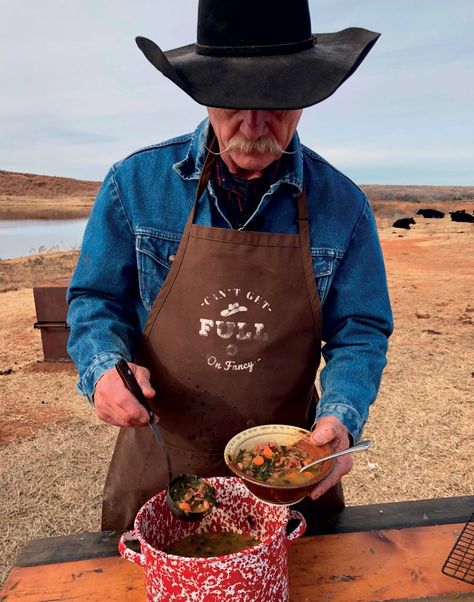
<point x="115" y="404"/>
<point x="330" y="429"/>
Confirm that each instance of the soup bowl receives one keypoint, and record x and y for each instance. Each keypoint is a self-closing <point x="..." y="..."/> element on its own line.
<point x="258" y="573"/>
<point x="282" y="435"/>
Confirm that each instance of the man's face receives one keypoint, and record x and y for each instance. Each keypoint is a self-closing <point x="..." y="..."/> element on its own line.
<point x="250" y="140"/>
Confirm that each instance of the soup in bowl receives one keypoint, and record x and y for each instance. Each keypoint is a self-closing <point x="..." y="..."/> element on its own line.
<point x="268" y="459"/>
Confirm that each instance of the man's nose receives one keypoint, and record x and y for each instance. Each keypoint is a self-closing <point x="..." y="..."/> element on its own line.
<point x="254" y="124"/>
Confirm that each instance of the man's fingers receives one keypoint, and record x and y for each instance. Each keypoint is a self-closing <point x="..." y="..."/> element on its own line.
<point x="342" y="466"/>
<point x="324" y="431"/>
<point x="115" y="404"/>
<point x="330" y="429"/>
<point x="123" y="410"/>
<point x="147" y="390"/>
<point x="132" y="412"/>
<point x="142" y="376"/>
<point x="140" y="371"/>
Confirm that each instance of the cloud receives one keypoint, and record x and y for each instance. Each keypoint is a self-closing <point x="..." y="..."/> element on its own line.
<point x="77" y="94"/>
<point x="360" y="155"/>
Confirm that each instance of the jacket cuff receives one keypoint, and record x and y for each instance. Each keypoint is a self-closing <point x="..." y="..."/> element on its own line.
<point x="100" y="364"/>
<point x="349" y="417"/>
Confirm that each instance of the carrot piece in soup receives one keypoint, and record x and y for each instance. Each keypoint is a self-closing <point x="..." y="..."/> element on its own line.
<point x="185" y="506"/>
<point x="258" y="460"/>
<point x="267" y="452"/>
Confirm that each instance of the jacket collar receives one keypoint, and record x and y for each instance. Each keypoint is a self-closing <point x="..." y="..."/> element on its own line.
<point x="190" y="168"/>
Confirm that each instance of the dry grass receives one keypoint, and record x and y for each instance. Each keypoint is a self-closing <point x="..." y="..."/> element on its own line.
<point x="54" y="453"/>
<point x="422" y="420"/>
<point x="36" y="269"/>
<point x="52" y="483"/>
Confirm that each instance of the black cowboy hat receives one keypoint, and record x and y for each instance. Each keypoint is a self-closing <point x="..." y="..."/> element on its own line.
<point x="260" y="54"/>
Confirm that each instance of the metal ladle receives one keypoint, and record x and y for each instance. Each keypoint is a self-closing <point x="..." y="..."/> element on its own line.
<point x="130" y="382"/>
<point x="361" y="446"/>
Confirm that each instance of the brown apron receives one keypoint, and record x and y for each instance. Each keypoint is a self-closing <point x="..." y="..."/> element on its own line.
<point x="232" y="341"/>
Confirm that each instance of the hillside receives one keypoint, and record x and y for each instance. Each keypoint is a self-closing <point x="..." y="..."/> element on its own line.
<point x="32" y="196"/>
<point x="392" y="201"/>
<point x="44" y="197"/>
<point x="27" y="184"/>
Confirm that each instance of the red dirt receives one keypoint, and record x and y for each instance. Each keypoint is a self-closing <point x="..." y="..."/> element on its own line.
<point x="19" y="426"/>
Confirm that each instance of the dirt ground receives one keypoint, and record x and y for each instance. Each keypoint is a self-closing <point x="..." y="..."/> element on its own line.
<point x="54" y="452"/>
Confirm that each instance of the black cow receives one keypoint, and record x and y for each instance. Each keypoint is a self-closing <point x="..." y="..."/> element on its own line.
<point x="462" y="216"/>
<point x="430" y="213"/>
<point x="403" y="222"/>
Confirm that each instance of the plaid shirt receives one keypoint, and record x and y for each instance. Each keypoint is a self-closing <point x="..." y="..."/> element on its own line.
<point x="238" y="198"/>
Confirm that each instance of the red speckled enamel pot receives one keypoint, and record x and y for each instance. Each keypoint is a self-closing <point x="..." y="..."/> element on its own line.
<point x="258" y="574"/>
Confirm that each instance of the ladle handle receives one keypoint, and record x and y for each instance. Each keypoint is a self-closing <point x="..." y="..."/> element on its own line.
<point x="361" y="446"/>
<point x="130" y="382"/>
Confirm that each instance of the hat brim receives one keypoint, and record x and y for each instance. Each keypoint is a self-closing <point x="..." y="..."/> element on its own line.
<point x="291" y="81"/>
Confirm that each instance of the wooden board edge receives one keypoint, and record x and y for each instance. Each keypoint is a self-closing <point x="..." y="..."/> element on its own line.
<point x="396" y="515"/>
<point x="69" y="548"/>
<point x="374" y="517"/>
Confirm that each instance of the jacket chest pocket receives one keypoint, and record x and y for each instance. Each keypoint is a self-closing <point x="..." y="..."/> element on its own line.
<point x="155" y="255"/>
<point x="324" y="265"/>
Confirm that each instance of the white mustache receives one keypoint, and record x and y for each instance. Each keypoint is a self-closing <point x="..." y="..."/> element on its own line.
<point x="261" y="145"/>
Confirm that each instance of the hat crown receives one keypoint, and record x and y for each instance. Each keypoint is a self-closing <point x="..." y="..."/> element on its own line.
<point x="253" y="27"/>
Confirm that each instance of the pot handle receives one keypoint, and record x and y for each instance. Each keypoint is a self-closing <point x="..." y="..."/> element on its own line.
<point x="300" y="528"/>
<point x="126" y="552"/>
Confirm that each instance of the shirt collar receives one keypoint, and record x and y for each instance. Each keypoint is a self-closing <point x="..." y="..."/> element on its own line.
<point x="190" y="168"/>
<point x="224" y="179"/>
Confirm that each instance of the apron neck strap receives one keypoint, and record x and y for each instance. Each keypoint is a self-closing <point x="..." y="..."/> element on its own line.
<point x="302" y="205"/>
<point x="205" y="173"/>
<point x="303" y="222"/>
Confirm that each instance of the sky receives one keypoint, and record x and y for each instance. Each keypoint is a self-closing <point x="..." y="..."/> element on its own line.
<point x="76" y="94"/>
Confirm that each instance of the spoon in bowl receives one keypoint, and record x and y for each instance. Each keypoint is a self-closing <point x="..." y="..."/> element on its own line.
<point x="177" y="485"/>
<point x="361" y="446"/>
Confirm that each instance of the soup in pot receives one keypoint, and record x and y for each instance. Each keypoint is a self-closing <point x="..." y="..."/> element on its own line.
<point x="206" y="545"/>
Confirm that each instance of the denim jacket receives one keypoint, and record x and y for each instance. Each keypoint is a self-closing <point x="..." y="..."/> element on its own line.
<point x="134" y="231"/>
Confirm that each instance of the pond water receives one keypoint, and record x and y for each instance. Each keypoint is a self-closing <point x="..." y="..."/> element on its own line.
<point x="31" y="236"/>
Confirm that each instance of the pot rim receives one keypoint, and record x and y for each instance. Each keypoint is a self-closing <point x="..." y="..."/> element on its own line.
<point x="211" y="559"/>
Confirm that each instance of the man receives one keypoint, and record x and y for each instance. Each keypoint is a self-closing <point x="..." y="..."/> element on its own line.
<point x="216" y="263"/>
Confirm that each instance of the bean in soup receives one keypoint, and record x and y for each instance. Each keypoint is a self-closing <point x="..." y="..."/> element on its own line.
<point x="193" y="496"/>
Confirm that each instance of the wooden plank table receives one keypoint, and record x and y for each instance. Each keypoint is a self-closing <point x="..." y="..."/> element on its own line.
<point x="384" y="552"/>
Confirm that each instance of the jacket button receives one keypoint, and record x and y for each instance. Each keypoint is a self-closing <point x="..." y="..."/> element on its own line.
<point x="171" y="258"/>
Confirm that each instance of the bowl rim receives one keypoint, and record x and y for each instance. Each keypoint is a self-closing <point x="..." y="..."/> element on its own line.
<point x="297" y="429"/>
